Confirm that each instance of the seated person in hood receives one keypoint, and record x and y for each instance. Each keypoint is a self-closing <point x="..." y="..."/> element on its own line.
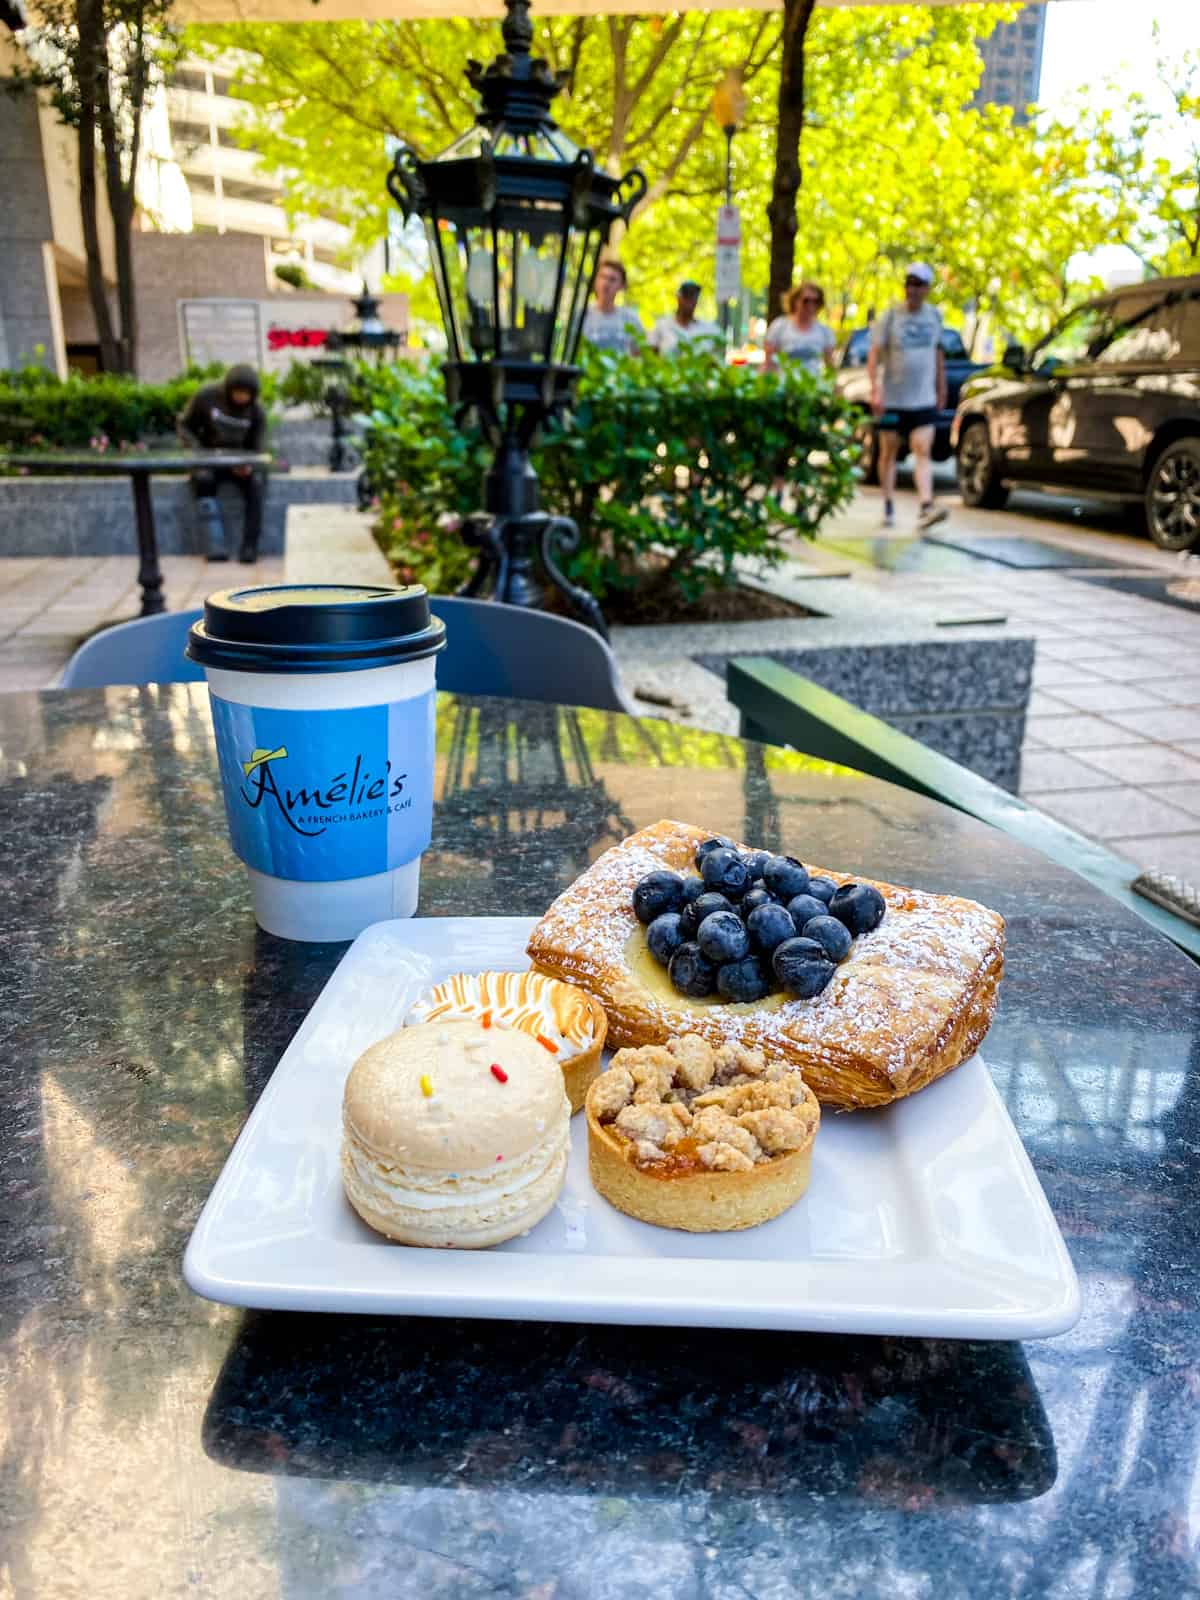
<point x="227" y="416"/>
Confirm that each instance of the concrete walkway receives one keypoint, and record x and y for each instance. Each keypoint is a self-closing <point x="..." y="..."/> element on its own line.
<point x="1113" y="733"/>
<point x="48" y="604"/>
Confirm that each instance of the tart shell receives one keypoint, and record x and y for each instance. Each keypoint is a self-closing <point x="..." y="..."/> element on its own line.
<point x="695" y="1200"/>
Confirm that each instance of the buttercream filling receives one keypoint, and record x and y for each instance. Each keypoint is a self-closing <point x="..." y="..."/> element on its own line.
<point x="484" y="1188"/>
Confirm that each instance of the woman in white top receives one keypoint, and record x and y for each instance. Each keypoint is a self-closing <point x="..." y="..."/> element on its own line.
<point x="799" y="336"/>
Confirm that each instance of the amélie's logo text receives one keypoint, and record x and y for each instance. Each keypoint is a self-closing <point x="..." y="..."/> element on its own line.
<point x="309" y="812"/>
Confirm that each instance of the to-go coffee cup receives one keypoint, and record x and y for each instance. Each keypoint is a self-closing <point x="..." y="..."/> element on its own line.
<point x="323" y="709"/>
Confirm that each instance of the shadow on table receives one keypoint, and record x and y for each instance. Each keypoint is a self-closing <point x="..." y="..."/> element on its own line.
<point x="630" y="1411"/>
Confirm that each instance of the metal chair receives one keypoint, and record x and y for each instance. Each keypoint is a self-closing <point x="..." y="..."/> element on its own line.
<point x="498" y="649"/>
<point x="149" y="650"/>
<point x="491" y="649"/>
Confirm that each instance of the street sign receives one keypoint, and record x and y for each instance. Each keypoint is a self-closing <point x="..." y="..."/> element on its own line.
<point x="729" y="254"/>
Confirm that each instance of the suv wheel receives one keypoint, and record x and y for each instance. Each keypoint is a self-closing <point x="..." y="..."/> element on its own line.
<point x="978" y="481"/>
<point x="868" y="462"/>
<point x="1173" y="496"/>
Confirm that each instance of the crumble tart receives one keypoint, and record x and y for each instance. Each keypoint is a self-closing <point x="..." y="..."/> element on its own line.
<point x="685" y="1136"/>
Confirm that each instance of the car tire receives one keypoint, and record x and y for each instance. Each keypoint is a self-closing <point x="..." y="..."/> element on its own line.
<point x="868" y="462"/>
<point x="1172" y="502"/>
<point x="978" y="478"/>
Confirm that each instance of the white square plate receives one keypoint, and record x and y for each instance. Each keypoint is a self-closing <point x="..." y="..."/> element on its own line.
<point x="922" y="1218"/>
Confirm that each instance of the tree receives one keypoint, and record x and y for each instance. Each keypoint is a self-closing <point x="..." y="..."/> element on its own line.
<point x="888" y="159"/>
<point x="100" y="60"/>
<point x="1147" y="165"/>
<point x="789" y="125"/>
<point x="324" y="97"/>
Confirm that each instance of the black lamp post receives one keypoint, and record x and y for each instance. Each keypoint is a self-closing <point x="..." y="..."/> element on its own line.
<point x="516" y="217"/>
<point x="364" y="334"/>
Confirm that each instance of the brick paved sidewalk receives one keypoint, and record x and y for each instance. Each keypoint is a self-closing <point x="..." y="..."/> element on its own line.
<point x="49" y="604"/>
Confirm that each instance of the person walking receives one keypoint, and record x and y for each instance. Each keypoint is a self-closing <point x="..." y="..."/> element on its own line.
<point x="682" y="326"/>
<point x="226" y="416"/>
<point x="800" y="336"/>
<point x="907" y="371"/>
<point x="607" y="325"/>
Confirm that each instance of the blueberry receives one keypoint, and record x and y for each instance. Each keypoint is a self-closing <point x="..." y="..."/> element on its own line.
<point x="833" y="936"/>
<point x="802" y="967"/>
<point x="823" y="888"/>
<point x="691" y="972"/>
<point x="859" y="906"/>
<point x="743" y="980"/>
<point x="664" y="937"/>
<point x="785" y="877"/>
<point x="804" y="907"/>
<point x="655" y="893"/>
<point x="703" y="906"/>
<point x="725" y="871"/>
<point x="723" y="937"/>
<point x="751" y="900"/>
<point x="769" y="926"/>
<point x="719" y="842"/>
<point x="756" y="860"/>
<point x="693" y="888"/>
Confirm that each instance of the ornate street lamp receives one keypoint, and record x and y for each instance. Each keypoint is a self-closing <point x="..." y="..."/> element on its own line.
<point x="365" y="334"/>
<point x="516" y="217"/>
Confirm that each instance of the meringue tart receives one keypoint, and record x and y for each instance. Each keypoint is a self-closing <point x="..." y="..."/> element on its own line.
<point x="567" y="1021"/>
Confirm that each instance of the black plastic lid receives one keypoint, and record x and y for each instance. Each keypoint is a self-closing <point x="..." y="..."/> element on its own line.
<point x="315" y="627"/>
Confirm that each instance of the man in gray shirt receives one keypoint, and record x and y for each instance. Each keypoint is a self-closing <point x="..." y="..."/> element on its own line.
<point x="907" y="369"/>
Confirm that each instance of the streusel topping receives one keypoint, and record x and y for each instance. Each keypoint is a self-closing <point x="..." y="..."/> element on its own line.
<point x="684" y="1106"/>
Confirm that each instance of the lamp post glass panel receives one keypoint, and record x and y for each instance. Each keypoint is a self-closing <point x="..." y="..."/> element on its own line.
<point x="516" y="217"/>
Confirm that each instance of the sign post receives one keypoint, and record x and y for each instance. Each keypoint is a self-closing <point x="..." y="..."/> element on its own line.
<point x="729" y="260"/>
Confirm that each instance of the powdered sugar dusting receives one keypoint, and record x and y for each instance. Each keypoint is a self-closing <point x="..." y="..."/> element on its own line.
<point x="901" y="990"/>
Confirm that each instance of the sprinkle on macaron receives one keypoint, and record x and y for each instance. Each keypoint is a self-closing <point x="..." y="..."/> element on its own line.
<point x="547" y="1044"/>
<point x="498" y="1072"/>
<point x="427" y="1086"/>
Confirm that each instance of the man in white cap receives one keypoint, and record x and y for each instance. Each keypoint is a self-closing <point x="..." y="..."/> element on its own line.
<point x="907" y="368"/>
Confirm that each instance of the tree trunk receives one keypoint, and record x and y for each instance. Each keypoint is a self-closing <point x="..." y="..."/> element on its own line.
<point x="785" y="186"/>
<point x="91" y="63"/>
<point x="120" y="204"/>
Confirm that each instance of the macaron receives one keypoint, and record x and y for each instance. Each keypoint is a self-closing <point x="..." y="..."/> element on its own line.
<point x="454" y="1135"/>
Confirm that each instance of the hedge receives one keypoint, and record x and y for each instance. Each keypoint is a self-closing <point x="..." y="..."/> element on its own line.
<point x="672" y="468"/>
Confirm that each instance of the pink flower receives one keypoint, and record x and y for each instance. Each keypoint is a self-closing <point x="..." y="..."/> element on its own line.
<point x="423" y="537"/>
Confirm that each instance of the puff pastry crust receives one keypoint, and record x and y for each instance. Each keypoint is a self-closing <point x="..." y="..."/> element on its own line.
<point x="912" y="1000"/>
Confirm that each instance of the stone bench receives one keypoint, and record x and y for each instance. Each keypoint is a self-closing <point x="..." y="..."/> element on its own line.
<point x="778" y="706"/>
<point x="65" y="516"/>
<point x="332" y="544"/>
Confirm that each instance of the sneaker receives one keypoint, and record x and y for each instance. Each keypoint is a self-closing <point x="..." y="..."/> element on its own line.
<point x="248" y="554"/>
<point x="889" y="514"/>
<point x="931" y="515"/>
<point x="218" y="555"/>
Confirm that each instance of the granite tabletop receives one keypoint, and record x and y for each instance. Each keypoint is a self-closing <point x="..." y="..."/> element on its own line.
<point x="153" y="1444"/>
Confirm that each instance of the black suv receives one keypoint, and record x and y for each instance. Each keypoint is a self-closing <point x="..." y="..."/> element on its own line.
<point x="853" y="384"/>
<point x="1107" y="406"/>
